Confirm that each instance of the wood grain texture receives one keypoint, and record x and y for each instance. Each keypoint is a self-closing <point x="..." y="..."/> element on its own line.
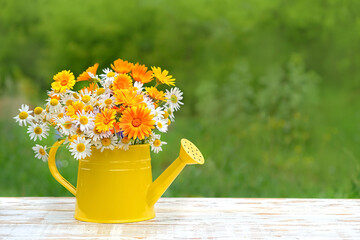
<point x="189" y="218"/>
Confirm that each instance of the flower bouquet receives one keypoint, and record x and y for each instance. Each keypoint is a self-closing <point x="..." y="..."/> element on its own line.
<point x="110" y="126"/>
<point x="120" y="107"/>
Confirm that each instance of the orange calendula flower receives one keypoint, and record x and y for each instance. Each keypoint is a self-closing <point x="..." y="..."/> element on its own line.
<point x="162" y="77"/>
<point x="121" y="81"/>
<point x="141" y="74"/>
<point x="155" y="94"/>
<point x="128" y="97"/>
<point x="63" y="80"/>
<point x="85" y="75"/>
<point x="105" y="120"/>
<point x="116" y="128"/>
<point x="91" y="88"/>
<point x="137" y="122"/>
<point x="121" y="66"/>
<point x="74" y="109"/>
<point x="53" y="96"/>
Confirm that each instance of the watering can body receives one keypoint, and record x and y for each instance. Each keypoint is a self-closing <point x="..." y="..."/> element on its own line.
<point x="115" y="186"/>
<point x="112" y="186"/>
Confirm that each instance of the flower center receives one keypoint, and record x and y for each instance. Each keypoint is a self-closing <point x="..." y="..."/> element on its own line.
<point x="110" y="74"/>
<point x="173" y="99"/>
<point x="38" y="110"/>
<point x="67" y="124"/>
<point x="23" y="115"/>
<point x="42" y="151"/>
<point x="60" y="115"/>
<point x="75" y="95"/>
<point x="64" y="82"/>
<point x="100" y="91"/>
<point x="54" y="102"/>
<point x="108" y="101"/>
<point x="38" y="130"/>
<point x="166" y="114"/>
<point x="125" y="140"/>
<point x="136" y="122"/>
<point x="157" y="143"/>
<point x="78" y="131"/>
<point x="96" y="131"/>
<point x="86" y="98"/>
<point x="69" y="102"/>
<point x="89" y="108"/>
<point x="106" y="141"/>
<point x="159" y="124"/>
<point x="84" y="120"/>
<point x="80" y="147"/>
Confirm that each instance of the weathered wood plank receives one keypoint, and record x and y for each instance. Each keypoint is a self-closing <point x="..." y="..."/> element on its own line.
<point x="189" y="218"/>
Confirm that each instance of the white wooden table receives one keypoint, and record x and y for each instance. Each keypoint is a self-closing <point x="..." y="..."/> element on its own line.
<point x="189" y="218"/>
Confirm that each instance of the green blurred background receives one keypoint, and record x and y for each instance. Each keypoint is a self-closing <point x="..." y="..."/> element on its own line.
<point x="271" y="88"/>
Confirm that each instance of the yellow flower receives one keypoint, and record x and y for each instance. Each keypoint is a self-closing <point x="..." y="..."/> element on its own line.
<point x="137" y="122"/>
<point x="155" y="94"/>
<point x="105" y="120"/>
<point x="85" y="76"/>
<point x="63" y="80"/>
<point x="162" y="77"/>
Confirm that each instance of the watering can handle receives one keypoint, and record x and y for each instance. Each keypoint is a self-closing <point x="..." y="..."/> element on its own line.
<point x="55" y="172"/>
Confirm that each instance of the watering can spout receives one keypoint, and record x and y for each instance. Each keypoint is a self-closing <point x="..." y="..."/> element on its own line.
<point x="189" y="154"/>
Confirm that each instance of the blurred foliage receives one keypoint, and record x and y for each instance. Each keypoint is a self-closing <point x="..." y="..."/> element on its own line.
<point x="272" y="110"/>
<point x="194" y="39"/>
<point x="270" y="87"/>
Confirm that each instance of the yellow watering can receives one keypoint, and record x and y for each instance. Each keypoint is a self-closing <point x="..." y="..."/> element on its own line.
<point x="115" y="186"/>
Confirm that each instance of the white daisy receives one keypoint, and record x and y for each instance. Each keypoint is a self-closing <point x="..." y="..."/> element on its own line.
<point x="24" y="116"/>
<point x="96" y="135"/>
<point x="80" y="148"/>
<point x="161" y="124"/>
<point x="40" y="152"/>
<point x="76" y="96"/>
<point x="138" y="87"/>
<point x="106" y="101"/>
<point x="96" y="77"/>
<point x="86" y="96"/>
<point x="170" y="113"/>
<point x="68" y="99"/>
<point x="157" y="112"/>
<point x="66" y="126"/>
<point x="173" y="98"/>
<point x="149" y="103"/>
<point x="39" y="114"/>
<point x="55" y="94"/>
<point x="156" y="144"/>
<point x="38" y="130"/>
<point x="124" y="143"/>
<point x="100" y="91"/>
<point x="85" y="121"/>
<point x="106" y="143"/>
<point x="107" y="77"/>
<point x="53" y="105"/>
<point x="154" y="136"/>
